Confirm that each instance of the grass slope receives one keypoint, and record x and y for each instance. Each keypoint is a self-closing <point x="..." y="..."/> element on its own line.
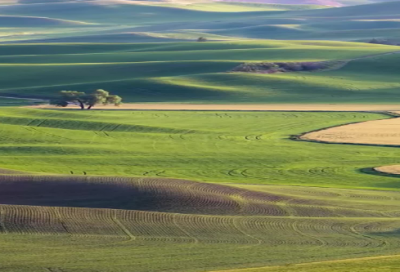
<point x="111" y="12"/>
<point x="194" y="72"/>
<point x="106" y="21"/>
<point x="382" y="263"/>
<point x="377" y="10"/>
<point x="199" y="146"/>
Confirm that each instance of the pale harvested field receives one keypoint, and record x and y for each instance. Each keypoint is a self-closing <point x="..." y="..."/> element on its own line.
<point x="242" y="107"/>
<point x="389" y="169"/>
<point x="378" y="132"/>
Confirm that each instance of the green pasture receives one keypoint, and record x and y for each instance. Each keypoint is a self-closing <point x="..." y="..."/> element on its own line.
<point x="270" y="201"/>
<point x="234" y="147"/>
<point x="89" y="21"/>
<point x="34" y="253"/>
<point x="200" y="72"/>
<point x="382" y="264"/>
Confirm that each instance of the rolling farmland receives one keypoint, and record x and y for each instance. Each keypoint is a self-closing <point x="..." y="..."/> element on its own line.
<point x="238" y="148"/>
<point x="233" y="147"/>
<point x="257" y="223"/>
<point x="82" y="216"/>
<point x="151" y="21"/>
<point x="201" y="72"/>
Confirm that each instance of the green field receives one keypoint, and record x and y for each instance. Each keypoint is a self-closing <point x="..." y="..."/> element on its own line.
<point x="195" y="191"/>
<point x="130" y="21"/>
<point x="200" y="72"/>
<point x="248" y="213"/>
<point x="231" y="147"/>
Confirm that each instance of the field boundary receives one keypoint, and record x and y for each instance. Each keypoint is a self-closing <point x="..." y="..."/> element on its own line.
<point x="300" y="137"/>
<point x="368" y="108"/>
<point x="257" y="269"/>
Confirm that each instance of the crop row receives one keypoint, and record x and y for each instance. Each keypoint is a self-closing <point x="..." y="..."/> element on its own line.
<point x="195" y="228"/>
<point x="178" y="196"/>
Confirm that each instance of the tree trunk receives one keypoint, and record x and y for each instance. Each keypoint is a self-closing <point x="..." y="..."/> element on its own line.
<point x="81" y="105"/>
<point x="89" y="107"/>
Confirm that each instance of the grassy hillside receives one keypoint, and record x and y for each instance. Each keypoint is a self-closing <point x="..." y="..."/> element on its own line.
<point x="199" y="146"/>
<point x="378" y="10"/>
<point x="382" y="263"/>
<point x="111" y="12"/>
<point x="107" y="21"/>
<point x="156" y="191"/>
<point x="193" y="72"/>
<point x="79" y="221"/>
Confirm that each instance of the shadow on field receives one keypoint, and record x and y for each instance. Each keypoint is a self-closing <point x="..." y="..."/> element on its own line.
<point x="146" y="194"/>
<point x="373" y="171"/>
<point x="72" y="192"/>
<point x="162" y="195"/>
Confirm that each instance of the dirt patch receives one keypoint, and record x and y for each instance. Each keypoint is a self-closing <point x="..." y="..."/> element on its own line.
<point x="286" y="67"/>
<point x="238" y="107"/>
<point x="385" y="42"/>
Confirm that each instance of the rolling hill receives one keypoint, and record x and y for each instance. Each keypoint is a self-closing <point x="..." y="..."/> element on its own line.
<point x="155" y="191"/>
<point x="110" y="21"/>
<point x="199" y="72"/>
<point x="59" y="200"/>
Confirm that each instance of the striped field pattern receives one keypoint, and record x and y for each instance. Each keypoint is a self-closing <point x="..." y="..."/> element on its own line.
<point x="170" y="212"/>
<point x="213" y="191"/>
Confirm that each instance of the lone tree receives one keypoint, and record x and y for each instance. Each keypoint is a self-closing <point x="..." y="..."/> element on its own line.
<point x="202" y="39"/>
<point x="86" y="101"/>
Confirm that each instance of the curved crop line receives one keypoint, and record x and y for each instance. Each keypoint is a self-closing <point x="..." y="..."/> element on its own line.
<point x="381" y="242"/>
<point x="2" y="223"/>
<point x="321" y="242"/>
<point x="122" y="226"/>
<point x="195" y="240"/>
<point x="235" y="224"/>
<point x="300" y="137"/>
<point x="373" y="170"/>
<point x="182" y="211"/>
<point x="258" y="269"/>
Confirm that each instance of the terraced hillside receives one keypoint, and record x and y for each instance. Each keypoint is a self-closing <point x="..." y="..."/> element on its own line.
<point x="200" y="72"/>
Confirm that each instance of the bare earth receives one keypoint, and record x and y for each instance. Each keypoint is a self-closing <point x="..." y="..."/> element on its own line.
<point x="241" y="107"/>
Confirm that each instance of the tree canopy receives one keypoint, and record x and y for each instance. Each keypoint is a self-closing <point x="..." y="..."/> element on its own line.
<point x="86" y="101"/>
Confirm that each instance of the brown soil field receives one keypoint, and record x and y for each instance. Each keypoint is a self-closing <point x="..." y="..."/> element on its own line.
<point x="240" y="107"/>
